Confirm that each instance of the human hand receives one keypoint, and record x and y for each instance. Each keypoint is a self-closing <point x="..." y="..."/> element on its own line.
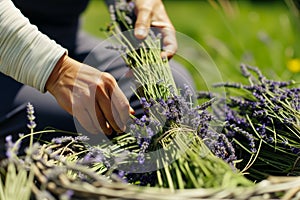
<point x="92" y="96"/>
<point x="152" y="13"/>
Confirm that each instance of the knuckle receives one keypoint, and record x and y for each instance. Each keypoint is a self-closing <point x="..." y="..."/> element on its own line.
<point x="108" y="79"/>
<point x="124" y="105"/>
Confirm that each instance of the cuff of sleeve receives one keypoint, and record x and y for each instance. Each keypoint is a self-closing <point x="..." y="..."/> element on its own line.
<point x="40" y="78"/>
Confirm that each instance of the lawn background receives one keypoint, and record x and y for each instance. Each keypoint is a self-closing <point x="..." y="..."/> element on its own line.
<point x="260" y="33"/>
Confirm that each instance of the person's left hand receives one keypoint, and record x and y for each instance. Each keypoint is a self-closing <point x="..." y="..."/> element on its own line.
<point x="152" y="13"/>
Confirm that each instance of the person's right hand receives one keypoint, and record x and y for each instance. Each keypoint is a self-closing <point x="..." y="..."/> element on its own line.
<point x="92" y="96"/>
<point x="152" y="13"/>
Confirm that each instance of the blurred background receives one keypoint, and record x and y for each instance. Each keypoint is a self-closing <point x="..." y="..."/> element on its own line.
<point x="265" y="34"/>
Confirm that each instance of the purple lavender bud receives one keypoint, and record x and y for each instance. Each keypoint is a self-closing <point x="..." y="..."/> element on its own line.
<point x="68" y="194"/>
<point x="11" y="147"/>
<point x="245" y="71"/>
<point x="143" y="119"/>
<point x="8" y="139"/>
<point x="30" y="116"/>
<point x="141" y="158"/>
<point x="112" y="13"/>
<point x="295" y="150"/>
<point x="82" y="138"/>
<point x="271" y="139"/>
<point x="149" y="132"/>
<point x="253" y="150"/>
<point x="31" y="125"/>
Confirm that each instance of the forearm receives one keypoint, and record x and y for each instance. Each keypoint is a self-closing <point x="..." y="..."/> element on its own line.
<point x="26" y="54"/>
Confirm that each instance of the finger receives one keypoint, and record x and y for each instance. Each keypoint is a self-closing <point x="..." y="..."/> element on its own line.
<point x="169" y="42"/>
<point x="119" y="126"/>
<point x="107" y="130"/>
<point x="142" y="23"/>
<point x="81" y="111"/>
<point x="109" y="112"/>
<point x="121" y="106"/>
<point x="168" y="38"/>
<point x="131" y="110"/>
<point x="169" y="46"/>
<point x="89" y="115"/>
<point x="86" y="121"/>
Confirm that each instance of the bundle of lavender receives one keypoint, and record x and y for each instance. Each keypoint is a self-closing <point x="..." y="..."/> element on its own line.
<point x="172" y="144"/>
<point x="175" y="144"/>
<point x="262" y="119"/>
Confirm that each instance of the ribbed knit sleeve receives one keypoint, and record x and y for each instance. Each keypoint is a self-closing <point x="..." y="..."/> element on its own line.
<point x="26" y="54"/>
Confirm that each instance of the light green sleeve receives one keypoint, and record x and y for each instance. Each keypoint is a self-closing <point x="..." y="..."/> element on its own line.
<point x="26" y="54"/>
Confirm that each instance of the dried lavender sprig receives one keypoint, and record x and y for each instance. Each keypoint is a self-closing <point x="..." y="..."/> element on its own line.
<point x="30" y="116"/>
<point x="31" y="124"/>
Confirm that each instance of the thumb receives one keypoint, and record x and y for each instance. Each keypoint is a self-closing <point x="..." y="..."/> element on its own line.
<point x="142" y="23"/>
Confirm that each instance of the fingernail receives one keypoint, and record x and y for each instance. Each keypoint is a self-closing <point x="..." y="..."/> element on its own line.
<point x="131" y="111"/>
<point x="164" y="56"/>
<point x="140" y="32"/>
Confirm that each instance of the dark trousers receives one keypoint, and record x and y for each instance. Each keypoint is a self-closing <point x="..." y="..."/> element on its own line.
<point x="91" y="51"/>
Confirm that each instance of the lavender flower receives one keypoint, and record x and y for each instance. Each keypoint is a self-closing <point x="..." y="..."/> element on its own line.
<point x="95" y="155"/>
<point x="67" y="195"/>
<point x="82" y="138"/>
<point x="9" y="146"/>
<point x="143" y="148"/>
<point x="61" y="140"/>
<point x="30" y="116"/>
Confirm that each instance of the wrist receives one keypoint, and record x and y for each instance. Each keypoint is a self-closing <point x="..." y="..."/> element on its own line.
<point x="61" y="69"/>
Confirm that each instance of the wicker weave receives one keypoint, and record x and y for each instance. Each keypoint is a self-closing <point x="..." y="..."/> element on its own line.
<point x="52" y="182"/>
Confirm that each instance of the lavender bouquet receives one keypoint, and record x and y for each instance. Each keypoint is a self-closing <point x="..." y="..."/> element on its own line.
<point x="262" y="119"/>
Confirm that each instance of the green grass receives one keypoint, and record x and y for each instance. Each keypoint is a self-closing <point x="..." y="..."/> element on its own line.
<point x="261" y="34"/>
